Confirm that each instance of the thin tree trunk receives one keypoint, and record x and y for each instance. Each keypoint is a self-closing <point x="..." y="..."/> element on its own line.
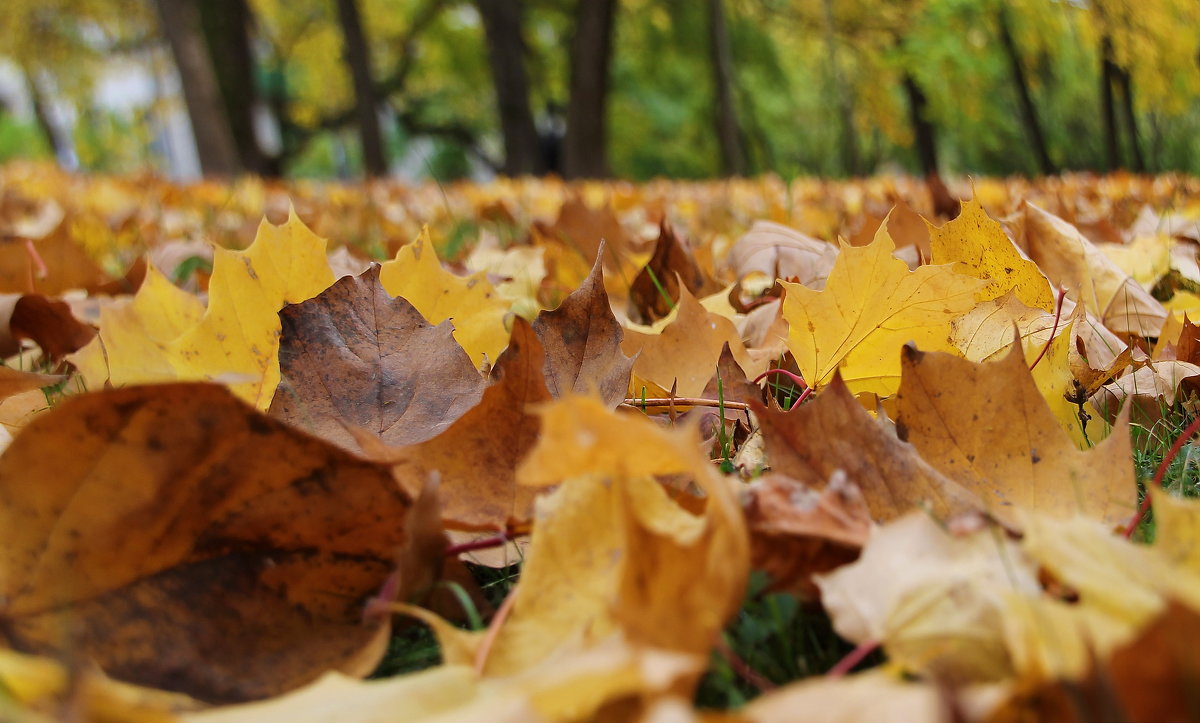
<point x="226" y="31"/>
<point x="585" y="147"/>
<point x="1108" y="73"/>
<point x="506" y="53"/>
<point x="729" y="134"/>
<point x="214" y="140"/>
<point x="1131" y="126"/>
<point x="41" y="114"/>
<point x="1033" y="128"/>
<point x="849" y="136"/>
<point x="923" y="130"/>
<point x="358" y="58"/>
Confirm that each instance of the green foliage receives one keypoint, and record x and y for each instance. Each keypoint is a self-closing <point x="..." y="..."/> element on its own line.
<point x="20" y="140"/>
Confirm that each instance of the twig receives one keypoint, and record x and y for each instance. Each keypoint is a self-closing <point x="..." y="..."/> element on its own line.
<point x="682" y="402"/>
<point x="803" y="395"/>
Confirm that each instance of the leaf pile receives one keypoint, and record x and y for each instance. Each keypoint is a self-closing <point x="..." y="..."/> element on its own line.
<point x="224" y="487"/>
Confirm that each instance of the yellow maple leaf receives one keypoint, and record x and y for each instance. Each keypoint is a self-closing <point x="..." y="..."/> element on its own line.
<point x="872" y="305"/>
<point x="977" y="246"/>
<point x="237" y="339"/>
<point x="473" y="305"/>
<point x="131" y="347"/>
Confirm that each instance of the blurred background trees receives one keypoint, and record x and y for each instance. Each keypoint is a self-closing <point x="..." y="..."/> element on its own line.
<point x="587" y="88"/>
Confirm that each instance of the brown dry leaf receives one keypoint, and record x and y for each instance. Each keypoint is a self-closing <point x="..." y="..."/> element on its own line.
<point x="1070" y="260"/>
<point x="686" y="352"/>
<point x="796" y="531"/>
<point x="477" y="455"/>
<point x="14" y="381"/>
<point x="188" y="542"/>
<point x="50" y="324"/>
<point x="353" y="356"/>
<point x="834" y="432"/>
<point x="1148" y="390"/>
<point x="582" y="340"/>
<point x="986" y="426"/>
<point x="774" y="251"/>
<point x="67" y="265"/>
<point x="656" y="288"/>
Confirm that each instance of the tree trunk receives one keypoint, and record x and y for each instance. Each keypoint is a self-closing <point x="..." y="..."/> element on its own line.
<point x="923" y="130"/>
<point x="1108" y="77"/>
<point x="585" y="152"/>
<point x="226" y="30"/>
<point x="1033" y="128"/>
<point x="506" y="54"/>
<point x="729" y="134"/>
<point x="1131" y="127"/>
<point x="214" y="140"/>
<point x="41" y="114"/>
<point x="358" y="58"/>
<point x="849" y="136"/>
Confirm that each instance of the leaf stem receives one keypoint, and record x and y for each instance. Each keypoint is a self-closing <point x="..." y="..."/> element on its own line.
<point x="1144" y="507"/>
<point x="852" y="659"/>
<point x="742" y="668"/>
<point x="1062" y="295"/>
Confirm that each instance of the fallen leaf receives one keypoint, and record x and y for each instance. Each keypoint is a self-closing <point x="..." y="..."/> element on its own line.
<point x="44" y="689"/>
<point x="1150" y="678"/>
<point x="943" y="616"/>
<point x="833" y="432"/>
<point x="655" y="289"/>
<point x="796" y="531"/>
<point x="1070" y="260"/>
<point x="237" y="338"/>
<point x="582" y="340"/>
<point x="1144" y="393"/>
<point x="976" y="245"/>
<point x="355" y="357"/>
<point x="133" y="345"/>
<point x="471" y="303"/>
<point x="477" y="456"/>
<point x="15" y="381"/>
<point x="773" y="251"/>
<point x="188" y="542"/>
<point x="50" y="324"/>
<point x="871" y="306"/>
<point x="986" y="426"/>
<point x="685" y="353"/>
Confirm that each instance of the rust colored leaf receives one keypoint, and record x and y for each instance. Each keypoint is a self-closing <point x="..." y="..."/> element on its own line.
<point x="834" y="432"/>
<point x="796" y="531"/>
<point x="582" y="341"/>
<point x="477" y="455"/>
<point x="656" y="288"/>
<point x="186" y="541"/>
<point x="50" y="324"/>
<point x="355" y="357"/>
